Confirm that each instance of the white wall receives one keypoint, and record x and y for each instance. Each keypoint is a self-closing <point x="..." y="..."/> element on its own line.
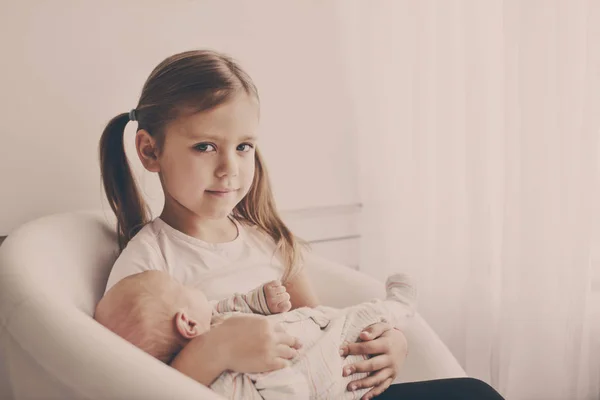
<point x="69" y="66"/>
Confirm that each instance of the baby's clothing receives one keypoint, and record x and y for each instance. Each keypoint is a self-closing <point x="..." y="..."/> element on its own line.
<point x="217" y="269"/>
<point x="316" y="373"/>
<point x="253" y="302"/>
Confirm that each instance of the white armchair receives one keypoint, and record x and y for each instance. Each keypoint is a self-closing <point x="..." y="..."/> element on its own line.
<point x="53" y="272"/>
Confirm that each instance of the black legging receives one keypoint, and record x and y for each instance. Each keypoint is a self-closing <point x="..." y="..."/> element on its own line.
<point x="442" y="389"/>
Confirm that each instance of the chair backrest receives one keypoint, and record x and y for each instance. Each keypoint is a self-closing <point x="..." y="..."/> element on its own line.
<point x="64" y="256"/>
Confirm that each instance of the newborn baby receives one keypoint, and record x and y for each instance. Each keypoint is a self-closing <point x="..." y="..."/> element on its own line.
<point x="160" y="316"/>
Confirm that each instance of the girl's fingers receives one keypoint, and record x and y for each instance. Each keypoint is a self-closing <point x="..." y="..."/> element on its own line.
<point x="377" y="346"/>
<point x="285" y="351"/>
<point x="278" y="363"/>
<point x="287" y="340"/>
<point x="297" y="344"/>
<point x="371" y="380"/>
<point x="375" y="330"/>
<point x="377" y="390"/>
<point x="372" y="364"/>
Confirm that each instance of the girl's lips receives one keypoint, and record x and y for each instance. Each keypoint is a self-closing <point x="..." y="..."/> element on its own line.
<point x="222" y="193"/>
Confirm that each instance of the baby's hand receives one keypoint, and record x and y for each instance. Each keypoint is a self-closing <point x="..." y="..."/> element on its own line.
<point x="278" y="299"/>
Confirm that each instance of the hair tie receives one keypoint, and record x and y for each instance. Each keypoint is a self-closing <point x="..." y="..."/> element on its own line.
<point x="132" y="116"/>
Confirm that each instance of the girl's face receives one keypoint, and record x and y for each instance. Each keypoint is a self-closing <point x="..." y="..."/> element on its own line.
<point x="206" y="165"/>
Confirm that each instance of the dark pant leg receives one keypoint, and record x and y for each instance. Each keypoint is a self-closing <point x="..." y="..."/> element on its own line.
<point x="441" y="389"/>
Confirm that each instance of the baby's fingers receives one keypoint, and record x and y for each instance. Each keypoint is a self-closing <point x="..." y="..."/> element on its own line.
<point x="283" y="307"/>
<point x="280" y="298"/>
<point x="275" y="287"/>
<point x="280" y="303"/>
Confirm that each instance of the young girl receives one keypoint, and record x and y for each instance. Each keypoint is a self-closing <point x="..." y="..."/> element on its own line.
<point x="219" y="230"/>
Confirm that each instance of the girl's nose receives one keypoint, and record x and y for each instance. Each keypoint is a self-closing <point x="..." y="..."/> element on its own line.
<point x="228" y="165"/>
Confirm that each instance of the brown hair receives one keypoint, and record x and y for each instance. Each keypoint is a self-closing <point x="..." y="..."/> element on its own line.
<point x="192" y="81"/>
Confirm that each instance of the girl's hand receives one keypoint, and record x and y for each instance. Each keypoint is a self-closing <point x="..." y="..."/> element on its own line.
<point x="252" y="343"/>
<point x="387" y="349"/>
<point x="278" y="299"/>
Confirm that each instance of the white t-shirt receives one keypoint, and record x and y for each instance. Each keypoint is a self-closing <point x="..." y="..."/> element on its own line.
<point x="218" y="269"/>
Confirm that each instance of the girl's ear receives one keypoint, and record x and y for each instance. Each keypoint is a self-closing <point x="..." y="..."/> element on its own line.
<point x="147" y="150"/>
<point x="186" y="326"/>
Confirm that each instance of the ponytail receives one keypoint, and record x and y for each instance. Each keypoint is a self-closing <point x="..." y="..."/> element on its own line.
<point x="119" y="185"/>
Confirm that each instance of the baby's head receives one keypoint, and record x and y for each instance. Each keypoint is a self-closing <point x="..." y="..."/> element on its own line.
<point x="155" y="313"/>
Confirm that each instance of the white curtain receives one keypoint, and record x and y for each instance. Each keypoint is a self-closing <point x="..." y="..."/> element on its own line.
<point x="478" y="125"/>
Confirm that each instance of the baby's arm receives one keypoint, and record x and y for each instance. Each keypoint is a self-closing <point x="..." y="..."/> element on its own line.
<point x="270" y="298"/>
<point x="253" y="302"/>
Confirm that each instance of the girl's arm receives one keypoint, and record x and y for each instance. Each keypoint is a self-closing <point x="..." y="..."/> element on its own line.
<point x="200" y="359"/>
<point x="244" y="343"/>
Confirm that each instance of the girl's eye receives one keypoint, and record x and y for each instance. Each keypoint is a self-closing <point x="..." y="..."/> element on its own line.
<point x="204" y="147"/>
<point x="245" y="147"/>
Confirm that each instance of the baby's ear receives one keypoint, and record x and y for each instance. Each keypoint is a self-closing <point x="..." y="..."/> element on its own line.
<point x="186" y="326"/>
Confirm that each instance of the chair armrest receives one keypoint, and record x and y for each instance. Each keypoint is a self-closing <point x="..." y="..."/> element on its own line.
<point x="428" y="357"/>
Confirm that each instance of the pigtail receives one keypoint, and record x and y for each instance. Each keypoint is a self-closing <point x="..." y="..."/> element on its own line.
<point x="119" y="184"/>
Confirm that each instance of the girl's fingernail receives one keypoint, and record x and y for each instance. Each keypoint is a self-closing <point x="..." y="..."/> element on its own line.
<point x="347" y="371"/>
<point x="352" y="387"/>
<point x="341" y="352"/>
